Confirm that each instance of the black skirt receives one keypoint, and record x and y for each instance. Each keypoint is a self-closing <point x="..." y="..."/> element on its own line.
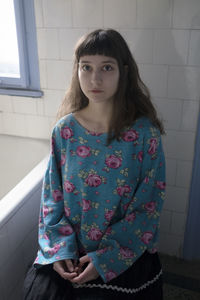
<point x="142" y="281"/>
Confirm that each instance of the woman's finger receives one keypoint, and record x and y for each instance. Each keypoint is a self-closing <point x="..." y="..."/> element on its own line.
<point x="69" y="264"/>
<point x="88" y="274"/>
<point x="60" y="268"/>
<point x="84" y="259"/>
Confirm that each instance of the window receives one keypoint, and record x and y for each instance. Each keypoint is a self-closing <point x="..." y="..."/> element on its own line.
<point x="19" y="71"/>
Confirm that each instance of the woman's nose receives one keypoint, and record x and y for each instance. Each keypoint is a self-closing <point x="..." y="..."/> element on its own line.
<point x="96" y="77"/>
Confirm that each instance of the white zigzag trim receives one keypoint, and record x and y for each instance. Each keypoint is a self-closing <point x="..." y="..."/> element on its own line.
<point x="117" y="288"/>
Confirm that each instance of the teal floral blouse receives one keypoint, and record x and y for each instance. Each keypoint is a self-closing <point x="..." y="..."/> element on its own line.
<point x="99" y="200"/>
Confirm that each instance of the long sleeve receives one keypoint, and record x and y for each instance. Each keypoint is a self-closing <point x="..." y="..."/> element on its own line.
<point x="127" y="239"/>
<point x="57" y="239"/>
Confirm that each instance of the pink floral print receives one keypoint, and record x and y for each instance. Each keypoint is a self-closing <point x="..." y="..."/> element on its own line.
<point x="147" y="237"/>
<point x="153" y="146"/>
<point x="63" y="159"/>
<point x="130" y="135"/>
<point x="146" y="180"/>
<point x="66" y="230"/>
<point x="160" y="185"/>
<point x="110" y="275"/>
<point x="66" y="133"/>
<point x="140" y="156"/>
<point x="47" y="210"/>
<point x="67" y="211"/>
<point x="86" y="205"/>
<point x="68" y="186"/>
<point x="54" y="250"/>
<point x="150" y="206"/>
<point x="83" y="151"/>
<point x="57" y="195"/>
<point x="126" y="252"/>
<point x="131" y="217"/>
<point x="109" y="214"/>
<point x="112" y="217"/>
<point x="123" y="190"/>
<point x="93" y="180"/>
<point x="94" y="234"/>
<point x="113" y="161"/>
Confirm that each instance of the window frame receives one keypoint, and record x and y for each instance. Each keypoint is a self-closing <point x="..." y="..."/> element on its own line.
<point x="29" y="82"/>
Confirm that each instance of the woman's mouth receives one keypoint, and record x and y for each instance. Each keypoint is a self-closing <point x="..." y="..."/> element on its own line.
<point x="96" y="91"/>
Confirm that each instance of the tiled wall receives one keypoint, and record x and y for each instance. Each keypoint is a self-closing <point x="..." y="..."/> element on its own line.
<point x="164" y="36"/>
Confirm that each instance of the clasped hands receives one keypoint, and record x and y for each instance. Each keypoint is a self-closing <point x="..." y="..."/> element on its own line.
<point x="74" y="272"/>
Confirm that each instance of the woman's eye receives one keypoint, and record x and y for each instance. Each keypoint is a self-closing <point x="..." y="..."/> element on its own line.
<point x="86" y="68"/>
<point x="107" y="68"/>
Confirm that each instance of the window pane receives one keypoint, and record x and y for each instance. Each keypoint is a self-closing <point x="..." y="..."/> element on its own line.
<point x="9" y="57"/>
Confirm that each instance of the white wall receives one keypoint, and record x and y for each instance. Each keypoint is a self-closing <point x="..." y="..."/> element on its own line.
<point x="164" y="36"/>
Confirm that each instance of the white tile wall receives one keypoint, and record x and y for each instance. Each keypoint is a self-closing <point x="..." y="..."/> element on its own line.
<point x="194" y="53"/>
<point x="38" y="13"/>
<point x="171" y="46"/>
<point x="170" y="112"/>
<point x="155" y="77"/>
<point x="184" y="173"/>
<point x="153" y="13"/>
<point x="171" y="244"/>
<point x="190" y="108"/>
<point x="23" y="105"/>
<point x="1" y="123"/>
<point x="124" y="16"/>
<point x="164" y="38"/>
<point x="171" y="166"/>
<point x="87" y="13"/>
<point x="52" y="100"/>
<point x="183" y="82"/>
<point x="165" y="221"/>
<point x="14" y="124"/>
<point x="48" y="46"/>
<point x="58" y="74"/>
<point x="176" y="199"/>
<point x="40" y="105"/>
<point x="179" y="145"/>
<point x="141" y="43"/>
<point x="57" y="13"/>
<point x="186" y="14"/>
<point x="69" y="37"/>
<point x="35" y="122"/>
<point x="6" y="103"/>
<point x="178" y="223"/>
<point x="43" y="73"/>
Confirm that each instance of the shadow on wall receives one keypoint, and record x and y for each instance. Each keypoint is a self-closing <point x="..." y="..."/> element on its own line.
<point x="172" y="85"/>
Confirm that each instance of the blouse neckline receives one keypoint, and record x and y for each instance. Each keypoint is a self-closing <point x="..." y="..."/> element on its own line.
<point x="93" y="133"/>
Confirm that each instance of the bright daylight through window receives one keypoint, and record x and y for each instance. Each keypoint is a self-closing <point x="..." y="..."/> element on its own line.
<point x="9" y="56"/>
<point x="19" y="65"/>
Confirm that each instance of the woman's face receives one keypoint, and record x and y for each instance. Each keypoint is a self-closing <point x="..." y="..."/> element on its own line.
<point x="98" y="77"/>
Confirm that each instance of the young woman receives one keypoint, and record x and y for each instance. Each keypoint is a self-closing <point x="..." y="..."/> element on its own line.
<point x="104" y="186"/>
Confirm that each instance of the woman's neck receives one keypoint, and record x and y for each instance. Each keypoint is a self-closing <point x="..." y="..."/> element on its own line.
<point x="95" y="117"/>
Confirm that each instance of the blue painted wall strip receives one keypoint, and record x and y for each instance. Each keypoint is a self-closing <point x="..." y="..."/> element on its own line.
<point x="191" y="249"/>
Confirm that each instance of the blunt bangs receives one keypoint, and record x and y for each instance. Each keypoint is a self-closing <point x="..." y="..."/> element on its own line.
<point x="97" y="43"/>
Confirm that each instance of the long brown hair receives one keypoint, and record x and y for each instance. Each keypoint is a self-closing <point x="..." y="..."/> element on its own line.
<point x="132" y="99"/>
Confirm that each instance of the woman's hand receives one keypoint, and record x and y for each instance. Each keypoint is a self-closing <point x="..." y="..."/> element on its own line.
<point x="66" y="269"/>
<point x="90" y="273"/>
